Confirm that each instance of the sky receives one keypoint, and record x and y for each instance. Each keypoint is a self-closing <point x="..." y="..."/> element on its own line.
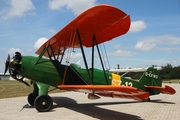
<point x="153" y="37"/>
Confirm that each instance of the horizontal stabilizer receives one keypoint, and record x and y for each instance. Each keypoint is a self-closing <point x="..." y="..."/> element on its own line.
<point x="165" y="90"/>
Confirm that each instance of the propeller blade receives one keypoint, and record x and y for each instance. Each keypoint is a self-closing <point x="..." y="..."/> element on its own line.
<point x="7" y="64"/>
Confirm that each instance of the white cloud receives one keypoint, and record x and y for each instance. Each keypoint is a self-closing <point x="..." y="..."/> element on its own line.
<point x="77" y="6"/>
<point x="117" y="46"/>
<point x="172" y="61"/>
<point x="169" y="50"/>
<point x="76" y="56"/>
<point x="122" y="53"/>
<point x="17" y="8"/>
<point x="52" y="31"/>
<point x="145" y="45"/>
<point x="159" y="42"/>
<point x="40" y="42"/>
<point x="137" y="26"/>
<point x="13" y="50"/>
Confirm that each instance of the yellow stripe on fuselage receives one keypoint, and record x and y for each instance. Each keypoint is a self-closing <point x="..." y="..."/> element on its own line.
<point x="116" y="79"/>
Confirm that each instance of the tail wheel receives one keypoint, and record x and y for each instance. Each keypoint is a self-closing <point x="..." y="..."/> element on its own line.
<point x="31" y="98"/>
<point x="148" y="99"/>
<point x="43" y="103"/>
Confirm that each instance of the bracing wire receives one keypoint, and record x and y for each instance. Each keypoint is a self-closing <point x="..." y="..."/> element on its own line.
<point x="106" y="56"/>
<point x="71" y="43"/>
<point x="71" y="48"/>
<point x="102" y="54"/>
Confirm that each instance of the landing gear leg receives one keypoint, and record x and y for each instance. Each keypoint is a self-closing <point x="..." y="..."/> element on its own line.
<point x="43" y="102"/>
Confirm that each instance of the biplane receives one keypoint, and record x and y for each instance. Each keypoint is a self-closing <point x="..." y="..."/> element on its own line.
<point x="94" y="26"/>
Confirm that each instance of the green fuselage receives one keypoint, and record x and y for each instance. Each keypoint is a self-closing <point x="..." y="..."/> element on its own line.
<point x="53" y="73"/>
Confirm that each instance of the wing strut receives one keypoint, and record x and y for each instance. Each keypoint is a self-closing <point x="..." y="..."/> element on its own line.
<point x="82" y="50"/>
<point x="40" y="56"/>
<point x="93" y="39"/>
<point x="55" y="62"/>
<point x="101" y="59"/>
<point x="51" y="52"/>
<point x="62" y="56"/>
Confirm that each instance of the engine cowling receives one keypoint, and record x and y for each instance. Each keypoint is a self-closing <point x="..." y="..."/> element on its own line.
<point x="15" y="66"/>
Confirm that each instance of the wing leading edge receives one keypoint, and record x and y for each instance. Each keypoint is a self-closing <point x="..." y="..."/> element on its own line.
<point x="109" y="91"/>
<point x="103" y="21"/>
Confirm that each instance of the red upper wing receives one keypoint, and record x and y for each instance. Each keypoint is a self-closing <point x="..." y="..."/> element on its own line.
<point x="104" y="21"/>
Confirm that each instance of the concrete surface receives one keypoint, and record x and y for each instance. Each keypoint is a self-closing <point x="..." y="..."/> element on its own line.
<point x="74" y="106"/>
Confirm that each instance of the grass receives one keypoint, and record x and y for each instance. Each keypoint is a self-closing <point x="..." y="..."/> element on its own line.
<point x="172" y="81"/>
<point x="13" y="88"/>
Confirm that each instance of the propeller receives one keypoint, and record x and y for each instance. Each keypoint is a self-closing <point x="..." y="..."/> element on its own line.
<point x="13" y="71"/>
<point x="7" y="64"/>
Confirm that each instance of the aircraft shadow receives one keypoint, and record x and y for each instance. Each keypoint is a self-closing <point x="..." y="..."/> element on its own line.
<point x="160" y="101"/>
<point x="92" y="110"/>
<point x="26" y="106"/>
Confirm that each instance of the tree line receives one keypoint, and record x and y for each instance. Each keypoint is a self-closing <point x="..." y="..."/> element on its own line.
<point x="167" y="73"/>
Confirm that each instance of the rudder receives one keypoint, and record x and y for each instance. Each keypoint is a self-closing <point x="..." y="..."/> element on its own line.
<point x="151" y="77"/>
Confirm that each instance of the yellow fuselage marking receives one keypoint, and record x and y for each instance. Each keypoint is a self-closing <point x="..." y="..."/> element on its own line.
<point x="116" y="79"/>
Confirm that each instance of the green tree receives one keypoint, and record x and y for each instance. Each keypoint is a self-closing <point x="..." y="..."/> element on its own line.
<point x="175" y="73"/>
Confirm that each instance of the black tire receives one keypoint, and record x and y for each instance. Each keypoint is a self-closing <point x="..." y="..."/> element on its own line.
<point x="43" y="103"/>
<point x="31" y="99"/>
<point x="149" y="100"/>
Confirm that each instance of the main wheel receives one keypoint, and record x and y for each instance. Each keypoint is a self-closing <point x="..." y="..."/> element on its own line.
<point x="43" y="103"/>
<point x="31" y="98"/>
